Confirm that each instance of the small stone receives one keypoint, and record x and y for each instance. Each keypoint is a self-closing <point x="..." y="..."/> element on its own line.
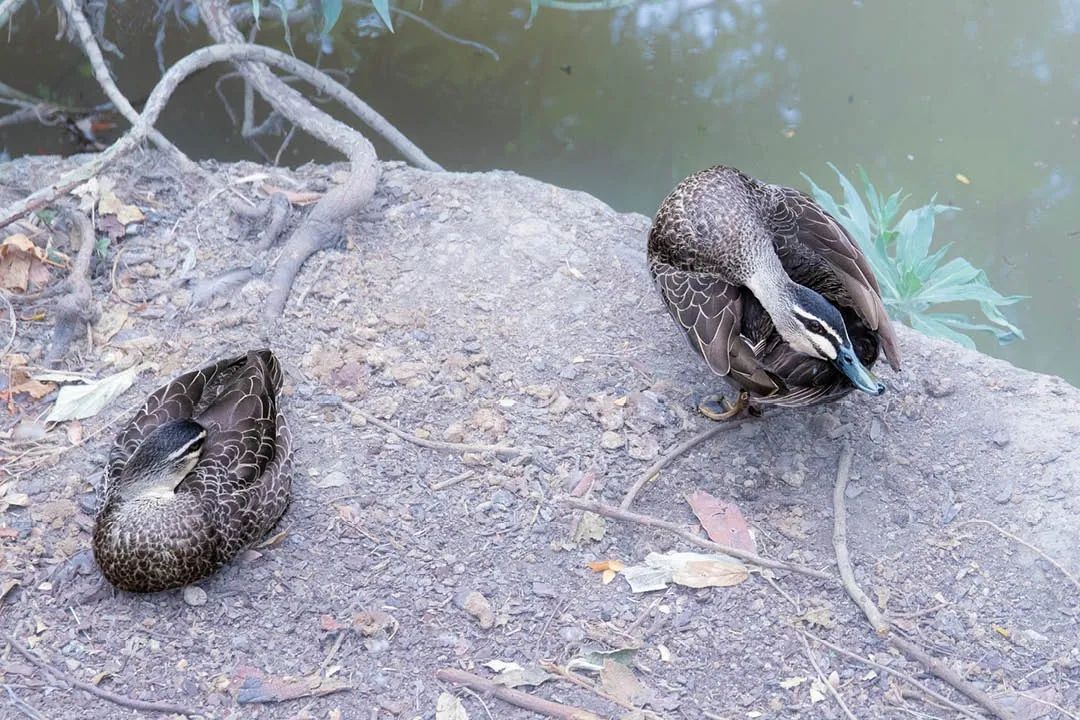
<point x="643" y="447"/>
<point x="569" y="372"/>
<point x="1001" y="438"/>
<point x="194" y="596"/>
<point x="939" y="387"/>
<point x="476" y="605"/>
<point x="611" y="440"/>
<point x="543" y="589"/>
<point x="794" y="478"/>
<point x="876" y="430"/>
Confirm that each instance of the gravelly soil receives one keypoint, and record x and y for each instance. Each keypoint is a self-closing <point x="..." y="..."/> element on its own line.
<point x="490" y="308"/>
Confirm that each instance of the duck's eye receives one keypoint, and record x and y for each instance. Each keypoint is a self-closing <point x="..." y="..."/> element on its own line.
<point x="815" y="327"/>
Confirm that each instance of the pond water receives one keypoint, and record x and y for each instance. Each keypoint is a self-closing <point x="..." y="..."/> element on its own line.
<point x="623" y="103"/>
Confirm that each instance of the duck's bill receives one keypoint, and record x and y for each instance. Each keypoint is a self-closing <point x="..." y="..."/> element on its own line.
<point x="859" y="376"/>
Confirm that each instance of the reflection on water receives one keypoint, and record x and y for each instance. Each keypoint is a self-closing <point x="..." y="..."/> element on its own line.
<point x="624" y="103"/>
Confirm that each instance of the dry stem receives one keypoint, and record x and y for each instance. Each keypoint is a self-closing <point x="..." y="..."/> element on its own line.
<point x="514" y="697"/>
<point x="437" y="444"/>
<point x="619" y="514"/>
<point x="121" y="700"/>
<point x="664" y="460"/>
<point x="877" y="620"/>
<point x="825" y="680"/>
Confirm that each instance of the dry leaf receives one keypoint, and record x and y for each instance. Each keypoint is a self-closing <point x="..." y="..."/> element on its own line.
<point x="6" y="587"/>
<point x="619" y="681"/>
<point x="817" y="691"/>
<point x="723" y="521"/>
<point x="962" y="179"/>
<point x="109" y="204"/>
<point x="448" y="707"/>
<point x="77" y="402"/>
<point x="110" y="323"/>
<point x="34" y="388"/>
<point x="513" y="675"/>
<point x="788" y="683"/>
<point x="685" y="568"/>
<point x="22" y="264"/>
<point x="604" y="565"/>
<point x="591" y="528"/>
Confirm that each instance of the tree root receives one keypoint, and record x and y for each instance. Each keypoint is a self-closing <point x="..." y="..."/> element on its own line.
<point x="76" y="308"/>
<point x="275" y="207"/>
<point x="881" y="624"/>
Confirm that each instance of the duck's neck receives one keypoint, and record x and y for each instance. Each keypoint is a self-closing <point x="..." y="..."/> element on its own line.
<point x="776" y="292"/>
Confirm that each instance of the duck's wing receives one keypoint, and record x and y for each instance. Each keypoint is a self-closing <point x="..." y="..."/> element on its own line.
<point x="178" y="399"/>
<point x="241" y="424"/>
<point x="797" y="218"/>
<point x="709" y="311"/>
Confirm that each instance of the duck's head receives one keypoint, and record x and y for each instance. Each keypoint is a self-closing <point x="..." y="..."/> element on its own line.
<point x="162" y="460"/>
<point x="815" y="327"/>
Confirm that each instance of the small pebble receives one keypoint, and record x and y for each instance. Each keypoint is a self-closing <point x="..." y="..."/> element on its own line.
<point x="611" y="440"/>
<point x="194" y="596"/>
<point x="476" y="605"/>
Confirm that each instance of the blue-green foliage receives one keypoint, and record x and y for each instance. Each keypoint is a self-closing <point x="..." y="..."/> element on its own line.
<point x="913" y="280"/>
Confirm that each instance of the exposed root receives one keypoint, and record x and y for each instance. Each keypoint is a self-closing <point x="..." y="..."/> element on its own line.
<point x="882" y="626"/>
<point x="76" y="307"/>
<point x="275" y="207"/>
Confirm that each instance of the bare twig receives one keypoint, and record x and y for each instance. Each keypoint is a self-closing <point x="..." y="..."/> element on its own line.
<point x="680" y="449"/>
<point x="11" y="321"/>
<point x="121" y="700"/>
<point x="619" y="514"/>
<point x="436" y="444"/>
<point x="442" y="33"/>
<point x="514" y="697"/>
<point x="825" y="681"/>
<point x="22" y="706"/>
<point x="896" y="673"/>
<point x="443" y="484"/>
<point x="877" y="620"/>
<point x="1061" y="568"/>
<point x="104" y="79"/>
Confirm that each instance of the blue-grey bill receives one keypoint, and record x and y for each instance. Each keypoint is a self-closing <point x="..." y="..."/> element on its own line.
<point x="859" y="376"/>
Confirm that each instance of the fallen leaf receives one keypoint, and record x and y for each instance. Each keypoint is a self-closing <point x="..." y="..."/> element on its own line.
<point x="591" y="528"/>
<point x="34" y="388"/>
<point x="448" y="707"/>
<point x="256" y="686"/>
<point x="110" y="204"/>
<point x="819" y="617"/>
<point x="604" y="565"/>
<point x="6" y="587"/>
<point x="817" y="691"/>
<point x="607" y="576"/>
<point x="513" y="675"/>
<point x="17" y="499"/>
<point x="75" y="432"/>
<point x="77" y="402"/>
<point x="110" y="323"/>
<point x="329" y="624"/>
<point x="593" y="659"/>
<point x="665" y="653"/>
<point x="478" y="606"/>
<point x="1031" y="704"/>
<point x="723" y="521"/>
<point x="22" y="264"/>
<point x="619" y="681"/>
<point x="695" y="570"/>
<point x="370" y="622"/>
<point x="788" y="683"/>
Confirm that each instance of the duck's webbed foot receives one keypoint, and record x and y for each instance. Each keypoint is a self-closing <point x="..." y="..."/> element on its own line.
<point x="719" y="408"/>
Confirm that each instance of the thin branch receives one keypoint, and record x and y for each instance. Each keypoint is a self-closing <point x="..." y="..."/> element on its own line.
<point x="514" y="697"/>
<point x="825" y="681"/>
<point x="121" y="700"/>
<point x="442" y="33"/>
<point x="437" y="444"/>
<point x="664" y="460"/>
<point x="180" y="71"/>
<point x="878" y="621"/>
<point x="901" y="675"/>
<point x="104" y="79"/>
<point x="11" y="320"/>
<point x="1061" y="568"/>
<point x="619" y="514"/>
<point x="581" y="682"/>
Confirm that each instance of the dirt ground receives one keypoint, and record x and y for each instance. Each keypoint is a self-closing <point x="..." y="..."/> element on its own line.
<point x="491" y="308"/>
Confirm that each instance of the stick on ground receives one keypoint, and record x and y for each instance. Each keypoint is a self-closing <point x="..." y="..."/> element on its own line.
<point x="619" y="514"/>
<point x="436" y="444"/>
<point x="666" y="459"/>
<point x="514" y="697"/>
<point x="121" y="700"/>
<point x="878" y="621"/>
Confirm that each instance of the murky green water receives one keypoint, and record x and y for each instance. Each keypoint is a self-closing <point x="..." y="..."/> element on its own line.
<point x="624" y="103"/>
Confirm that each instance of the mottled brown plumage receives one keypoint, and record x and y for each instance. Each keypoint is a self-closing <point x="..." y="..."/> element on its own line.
<point x="154" y="532"/>
<point x="721" y="232"/>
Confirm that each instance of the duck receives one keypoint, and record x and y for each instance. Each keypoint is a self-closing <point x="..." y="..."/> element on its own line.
<point x="770" y="290"/>
<point x="202" y="471"/>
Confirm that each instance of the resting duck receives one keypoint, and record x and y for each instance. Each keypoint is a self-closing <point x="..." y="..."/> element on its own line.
<point x="202" y="471"/>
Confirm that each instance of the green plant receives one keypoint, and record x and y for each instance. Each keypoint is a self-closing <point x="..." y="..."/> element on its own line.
<point x="913" y="280"/>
